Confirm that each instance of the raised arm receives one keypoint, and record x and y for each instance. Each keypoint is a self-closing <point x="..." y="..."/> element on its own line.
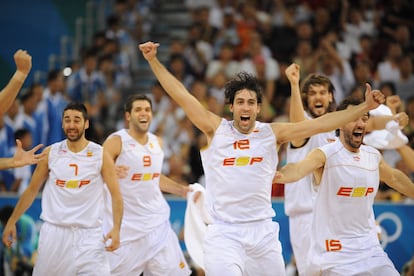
<point x="168" y="185"/>
<point x="203" y="119"/>
<point x="39" y="176"/>
<point x="111" y="180"/>
<point x="396" y="179"/>
<point x="23" y="65"/>
<point x="286" y="132"/>
<point x="296" y="110"/>
<point x="292" y="172"/>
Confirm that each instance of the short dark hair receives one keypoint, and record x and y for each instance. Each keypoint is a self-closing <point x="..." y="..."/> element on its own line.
<point x="20" y="133"/>
<point x="136" y="97"/>
<point x="77" y="106"/>
<point x="344" y="105"/>
<point x="317" y="79"/>
<point x="243" y="80"/>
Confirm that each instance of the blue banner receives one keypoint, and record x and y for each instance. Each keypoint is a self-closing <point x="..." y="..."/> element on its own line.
<point x="395" y="221"/>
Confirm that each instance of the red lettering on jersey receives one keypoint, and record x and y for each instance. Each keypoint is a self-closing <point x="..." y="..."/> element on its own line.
<point x="344" y="191"/>
<point x="144" y="176"/>
<point x="355" y="191"/>
<point x="136" y="177"/>
<point x="370" y="190"/>
<point x="333" y="245"/>
<point x="256" y="160"/>
<point x="241" y="144"/>
<point x="229" y="161"/>
<point x="60" y="183"/>
<point x="84" y="182"/>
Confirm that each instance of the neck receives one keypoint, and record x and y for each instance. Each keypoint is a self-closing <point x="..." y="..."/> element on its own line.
<point x="348" y="147"/>
<point x="140" y="137"/>
<point x="77" y="146"/>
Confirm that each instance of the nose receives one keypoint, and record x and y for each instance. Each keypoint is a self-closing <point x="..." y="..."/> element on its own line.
<point x="361" y="123"/>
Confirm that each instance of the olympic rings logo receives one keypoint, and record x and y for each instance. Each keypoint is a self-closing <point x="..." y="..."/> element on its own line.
<point x="386" y="237"/>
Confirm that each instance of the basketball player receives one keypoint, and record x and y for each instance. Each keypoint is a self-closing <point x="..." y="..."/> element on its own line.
<point x="71" y="241"/>
<point x="344" y="239"/>
<point x="239" y="164"/>
<point x="148" y="243"/>
<point x="318" y="99"/>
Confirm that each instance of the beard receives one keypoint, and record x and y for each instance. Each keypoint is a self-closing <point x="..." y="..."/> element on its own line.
<point x="74" y="138"/>
<point x="349" y="140"/>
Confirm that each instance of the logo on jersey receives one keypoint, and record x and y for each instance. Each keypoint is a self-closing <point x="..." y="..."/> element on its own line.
<point x="144" y="176"/>
<point x="72" y="184"/>
<point x="355" y="191"/>
<point x="242" y="160"/>
<point x="89" y="153"/>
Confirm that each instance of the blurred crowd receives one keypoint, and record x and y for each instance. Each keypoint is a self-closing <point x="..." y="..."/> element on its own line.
<point x="351" y="42"/>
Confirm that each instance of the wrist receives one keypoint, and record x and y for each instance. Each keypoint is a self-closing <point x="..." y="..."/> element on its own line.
<point x="20" y="76"/>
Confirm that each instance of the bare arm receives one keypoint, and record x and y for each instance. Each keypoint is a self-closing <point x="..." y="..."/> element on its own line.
<point x="21" y="157"/>
<point x="111" y="180"/>
<point x="203" y="119"/>
<point x="396" y="179"/>
<point x="296" y="110"/>
<point x="23" y="65"/>
<point x="26" y="199"/>
<point x="380" y="122"/>
<point x="292" y="172"/>
<point x="286" y="132"/>
<point x="407" y="154"/>
<point x="168" y="185"/>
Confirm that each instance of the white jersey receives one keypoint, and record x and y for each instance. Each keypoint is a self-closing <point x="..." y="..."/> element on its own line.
<point x="299" y="195"/>
<point x="144" y="204"/>
<point x="73" y="193"/>
<point x="343" y="224"/>
<point x="239" y="169"/>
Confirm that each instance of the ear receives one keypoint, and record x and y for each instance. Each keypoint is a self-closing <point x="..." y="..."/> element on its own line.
<point x="86" y="124"/>
<point x="259" y="108"/>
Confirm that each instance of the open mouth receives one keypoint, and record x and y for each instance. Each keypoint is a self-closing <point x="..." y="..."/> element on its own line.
<point x="357" y="134"/>
<point x="245" y="118"/>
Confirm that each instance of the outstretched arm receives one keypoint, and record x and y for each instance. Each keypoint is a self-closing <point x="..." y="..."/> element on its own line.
<point x="380" y="122"/>
<point x="21" y="157"/>
<point x="23" y="65"/>
<point x="286" y="132"/>
<point x="203" y="119"/>
<point x="396" y="179"/>
<point x="168" y="185"/>
<point x="292" y="172"/>
<point x="26" y="199"/>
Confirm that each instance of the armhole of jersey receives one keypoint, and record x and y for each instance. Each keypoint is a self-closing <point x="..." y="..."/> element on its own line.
<point x="301" y="146"/>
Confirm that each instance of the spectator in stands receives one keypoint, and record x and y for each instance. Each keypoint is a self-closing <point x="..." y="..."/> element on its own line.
<point x="405" y="85"/>
<point x="87" y="86"/>
<point x="22" y="175"/>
